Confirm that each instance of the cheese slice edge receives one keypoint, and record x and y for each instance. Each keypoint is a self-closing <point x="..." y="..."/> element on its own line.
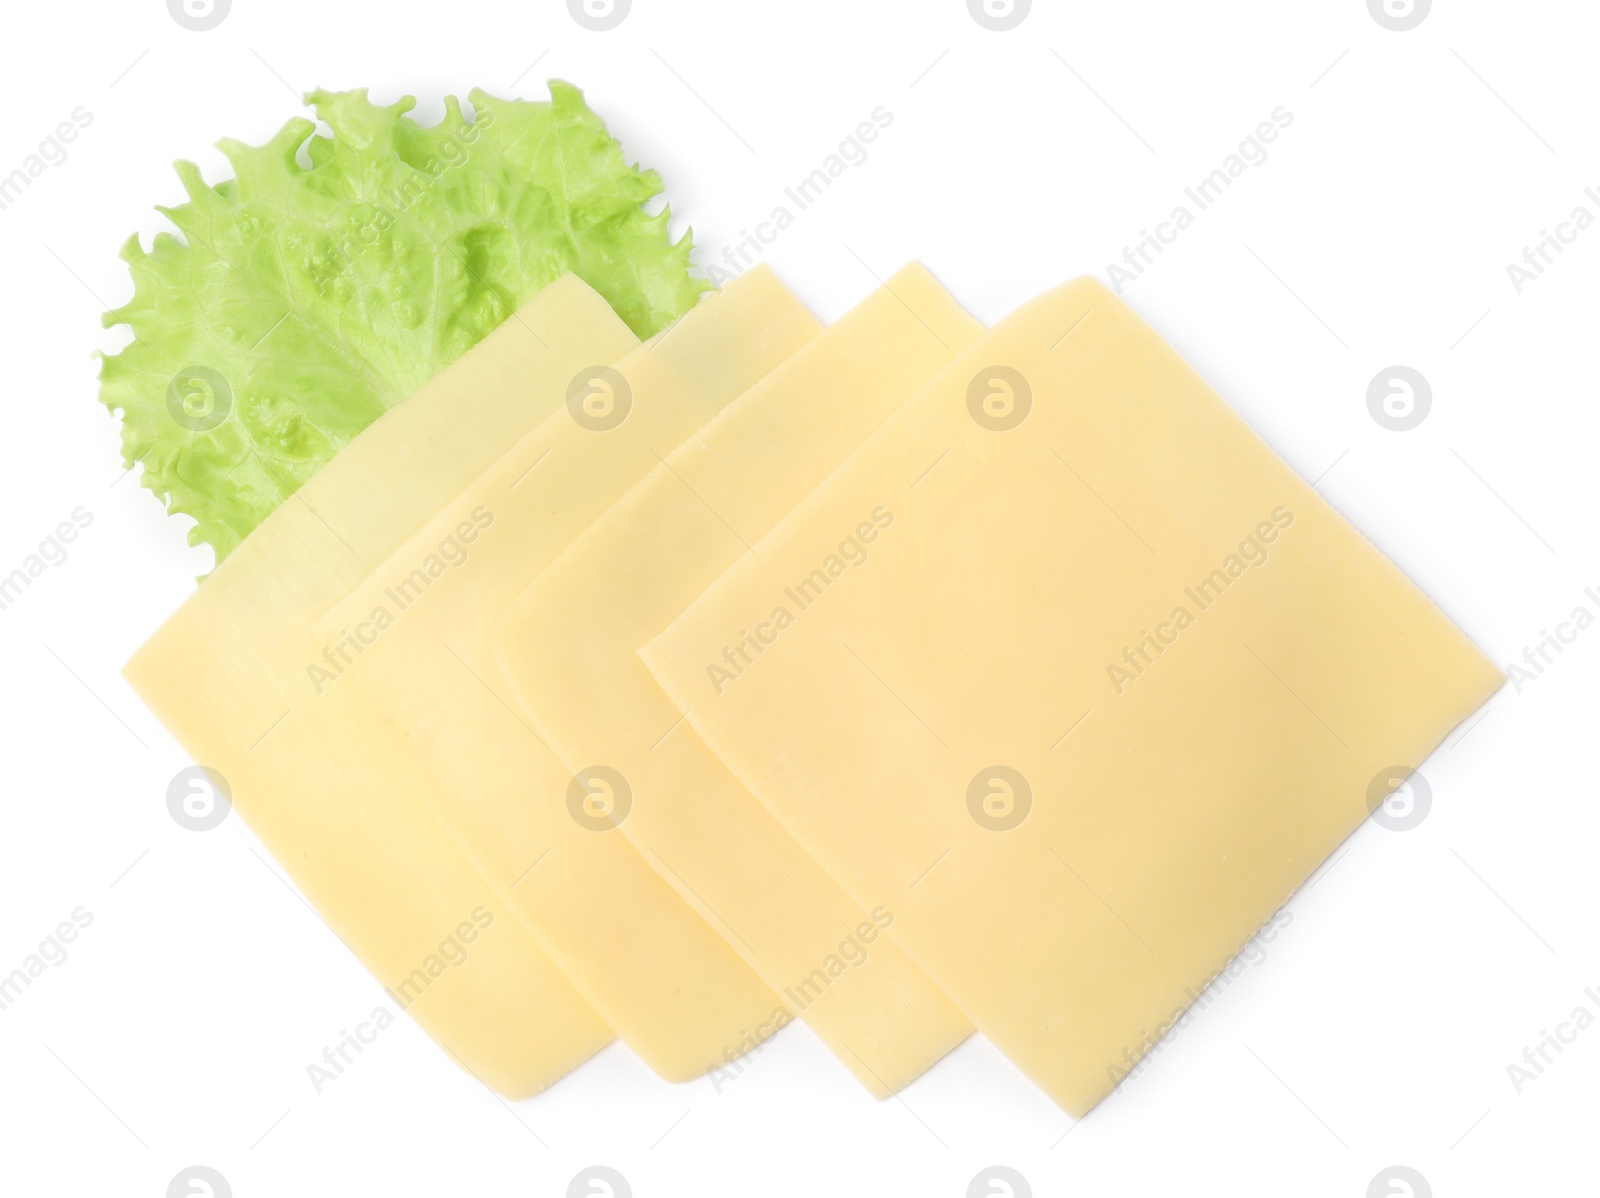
<point x="224" y="675"/>
<point x="567" y="648"/>
<point x="414" y="654"/>
<point x="1113" y="684"/>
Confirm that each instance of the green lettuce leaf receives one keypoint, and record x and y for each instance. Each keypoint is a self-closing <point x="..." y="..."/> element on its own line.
<point x="302" y="302"/>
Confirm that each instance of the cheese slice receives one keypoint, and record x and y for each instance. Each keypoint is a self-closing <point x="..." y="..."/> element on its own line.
<point x="568" y="646"/>
<point x="1106" y="685"/>
<point x="226" y="674"/>
<point x="417" y="635"/>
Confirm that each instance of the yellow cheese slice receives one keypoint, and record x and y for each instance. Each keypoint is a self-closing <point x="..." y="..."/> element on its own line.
<point x="1106" y="685"/>
<point x="568" y="647"/>
<point x="417" y="636"/>
<point x="226" y="674"/>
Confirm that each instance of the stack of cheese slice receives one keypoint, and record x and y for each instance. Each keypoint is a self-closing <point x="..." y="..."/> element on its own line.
<point x="898" y="676"/>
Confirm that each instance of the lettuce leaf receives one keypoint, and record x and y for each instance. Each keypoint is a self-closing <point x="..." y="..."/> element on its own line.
<point x="302" y="302"/>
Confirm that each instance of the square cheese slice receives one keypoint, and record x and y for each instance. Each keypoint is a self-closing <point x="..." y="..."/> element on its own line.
<point x="226" y="674"/>
<point x="411" y="647"/>
<point x="568" y="651"/>
<point x="1069" y="671"/>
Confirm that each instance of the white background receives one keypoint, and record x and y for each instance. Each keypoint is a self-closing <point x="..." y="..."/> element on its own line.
<point x="1380" y="1025"/>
